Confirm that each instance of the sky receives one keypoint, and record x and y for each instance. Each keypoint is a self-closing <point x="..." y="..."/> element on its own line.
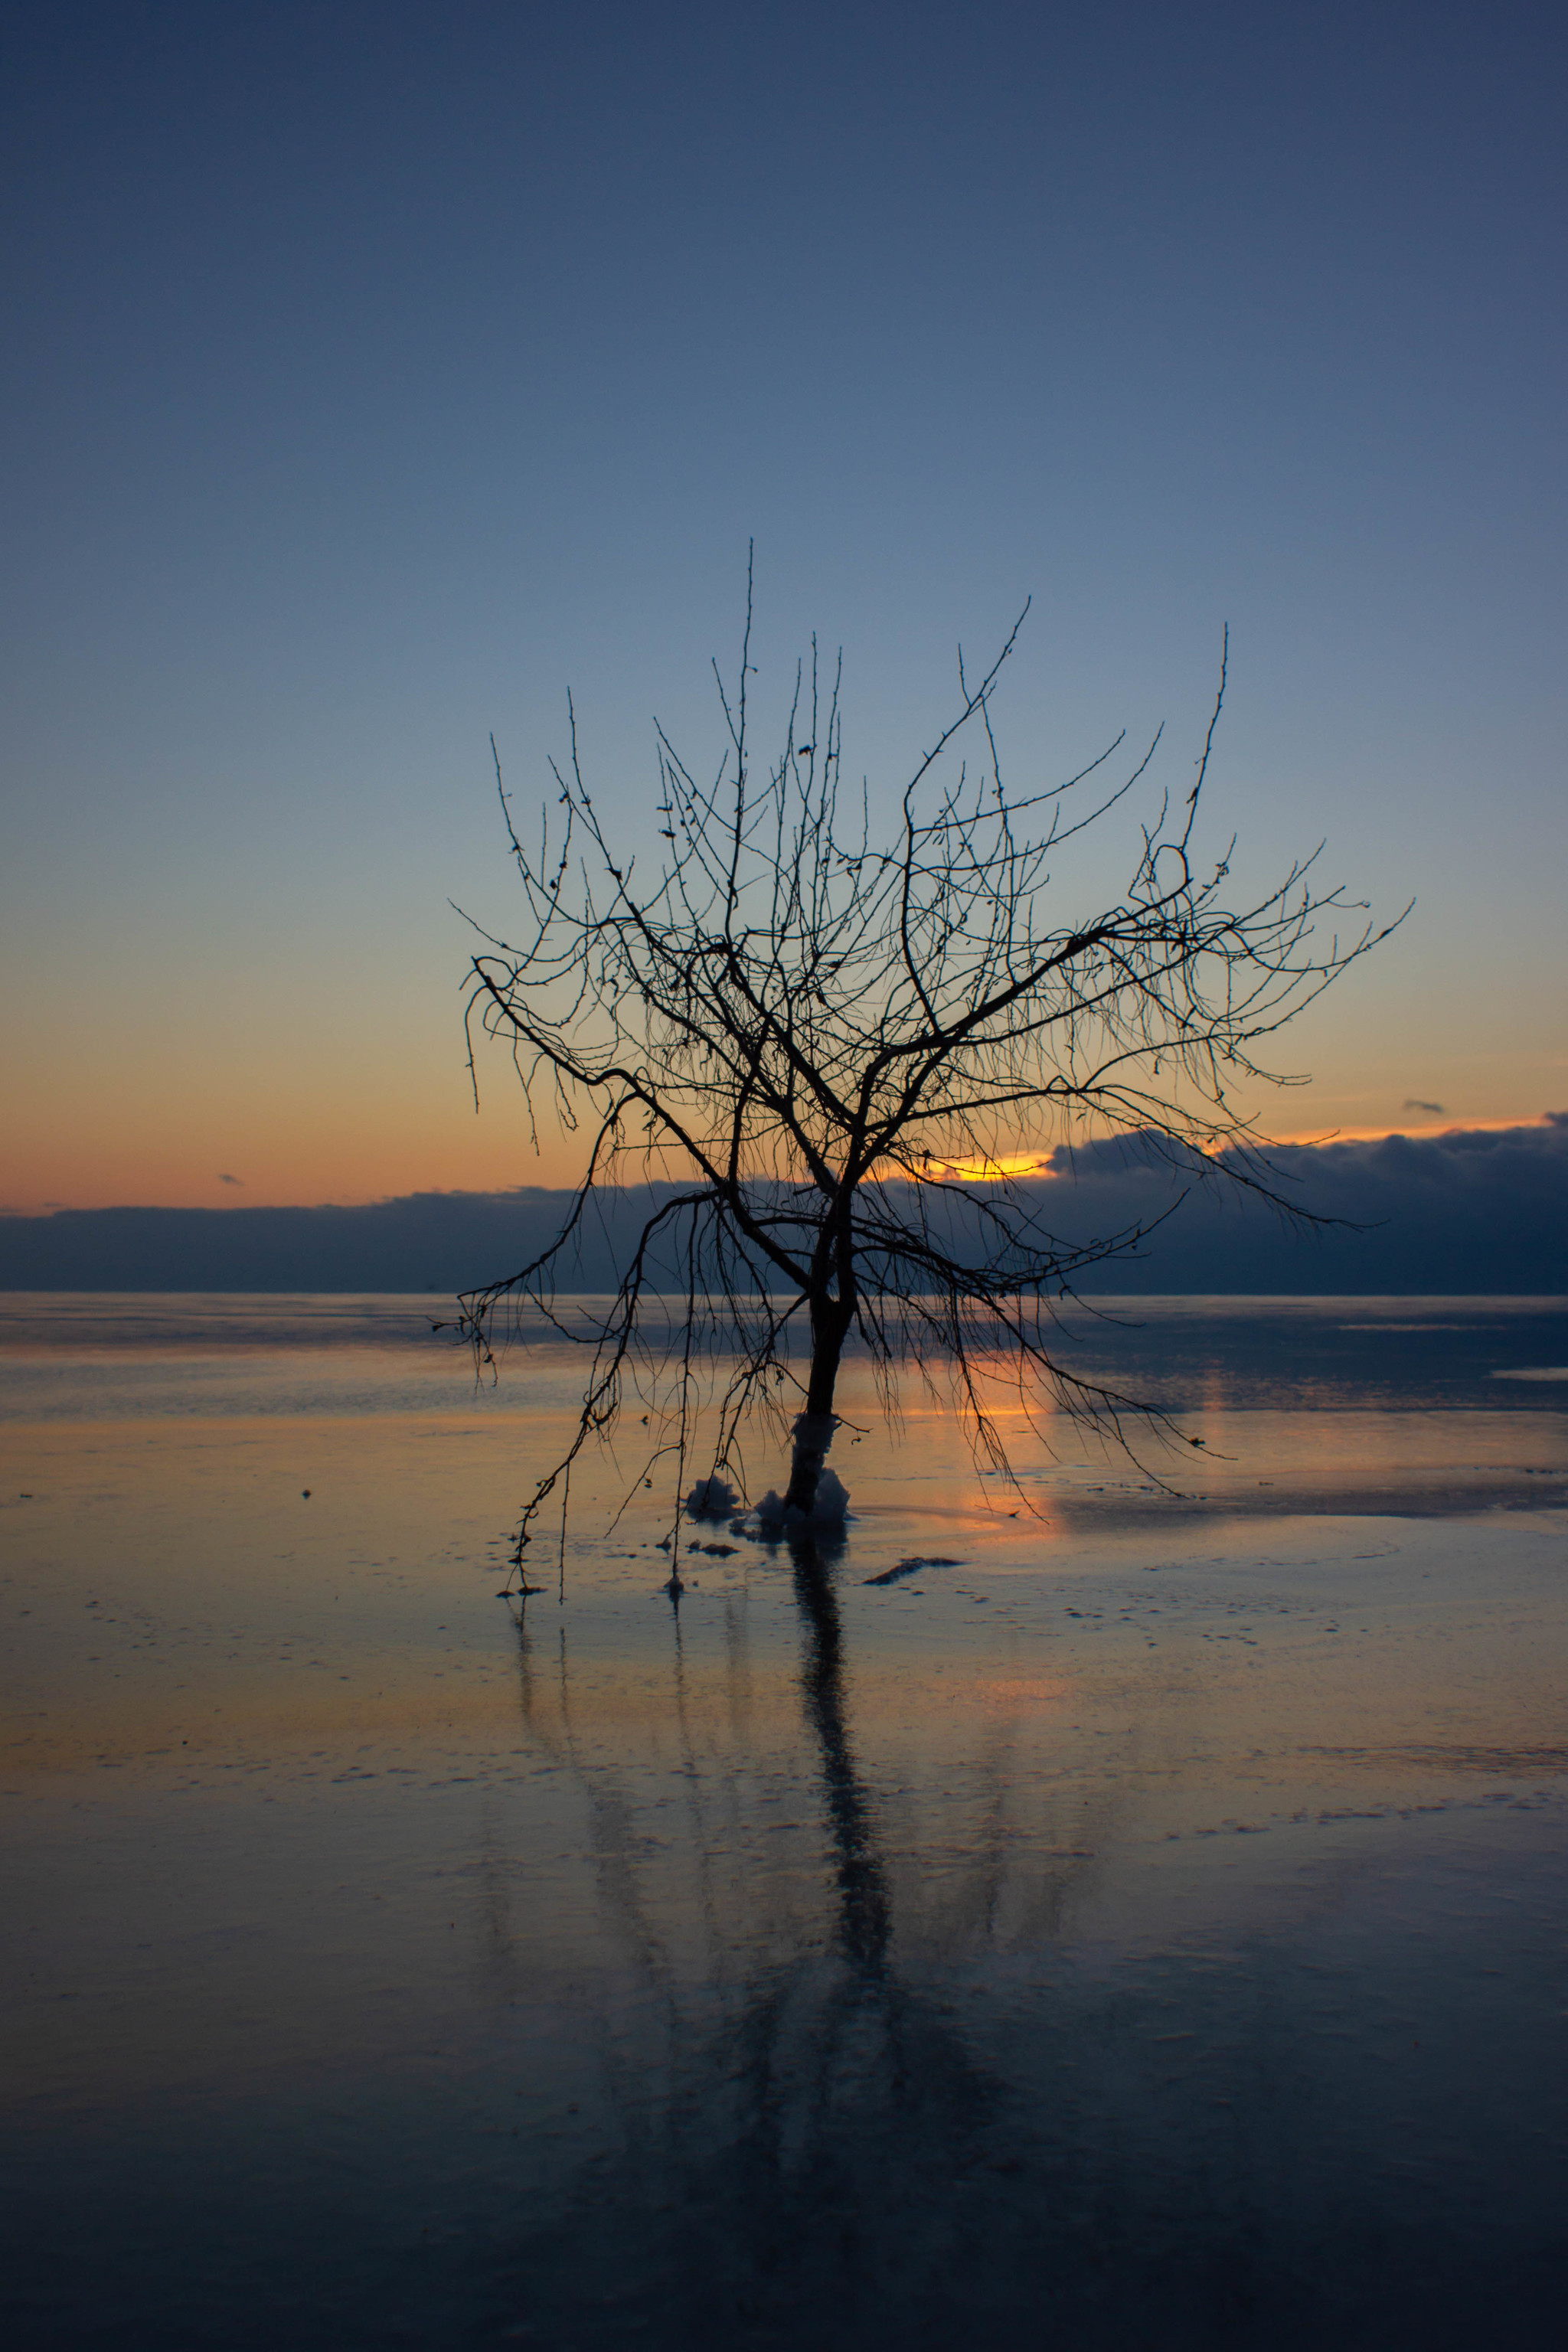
<point x="377" y="373"/>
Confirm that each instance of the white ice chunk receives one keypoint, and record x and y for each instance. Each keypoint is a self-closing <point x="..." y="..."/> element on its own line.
<point x="829" y="1508"/>
<point x="712" y="1498"/>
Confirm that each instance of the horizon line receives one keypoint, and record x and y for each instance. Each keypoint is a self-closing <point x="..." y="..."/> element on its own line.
<point x="1319" y="1141"/>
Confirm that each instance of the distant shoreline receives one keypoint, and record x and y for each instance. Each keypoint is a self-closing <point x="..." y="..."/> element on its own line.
<point x="1475" y="1212"/>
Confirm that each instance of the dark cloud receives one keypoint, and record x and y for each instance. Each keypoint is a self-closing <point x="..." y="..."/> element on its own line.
<point x="1470" y="1210"/>
<point x="1413" y="1102"/>
<point x="1474" y="1209"/>
<point x="239" y="1180"/>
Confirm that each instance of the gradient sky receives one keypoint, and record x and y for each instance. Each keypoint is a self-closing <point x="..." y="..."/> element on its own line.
<point x="375" y="372"/>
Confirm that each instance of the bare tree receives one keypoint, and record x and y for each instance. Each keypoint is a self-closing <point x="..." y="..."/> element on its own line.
<point x="819" y="1040"/>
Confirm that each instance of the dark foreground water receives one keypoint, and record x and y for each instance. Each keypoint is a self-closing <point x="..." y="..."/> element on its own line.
<point x="1141" y="1921"/>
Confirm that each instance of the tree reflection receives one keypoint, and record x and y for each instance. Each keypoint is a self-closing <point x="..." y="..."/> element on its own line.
<point x="807" y="2140"/>
<point x="864" y="1920"/>
<point x="808" y="2127"/>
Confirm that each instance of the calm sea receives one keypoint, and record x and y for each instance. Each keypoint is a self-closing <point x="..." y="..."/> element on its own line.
<point x="1125" y="1906"/>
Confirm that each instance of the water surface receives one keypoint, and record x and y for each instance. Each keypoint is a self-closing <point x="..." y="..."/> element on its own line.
<point x="1144" y="1927"/>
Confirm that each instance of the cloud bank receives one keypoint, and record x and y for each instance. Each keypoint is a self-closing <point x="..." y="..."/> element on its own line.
<point x="1475" y="1209"/>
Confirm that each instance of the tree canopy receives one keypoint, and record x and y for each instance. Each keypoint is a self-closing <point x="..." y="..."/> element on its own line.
<point x="842" y="1044"/>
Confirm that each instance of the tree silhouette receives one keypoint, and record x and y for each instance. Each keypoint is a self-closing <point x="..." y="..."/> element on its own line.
<point x="836" y="1052"/>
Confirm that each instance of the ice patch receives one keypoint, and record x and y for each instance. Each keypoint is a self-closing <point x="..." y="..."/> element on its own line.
<point x="911" y="1566"/>
<point x="829" y="1509"/>
<point x="712" y="1498"/>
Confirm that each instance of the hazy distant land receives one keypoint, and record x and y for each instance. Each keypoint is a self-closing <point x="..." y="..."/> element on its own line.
<point x="1473" y="1209"/>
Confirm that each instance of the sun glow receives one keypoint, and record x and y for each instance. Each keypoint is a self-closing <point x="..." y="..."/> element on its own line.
<point x="984" y="1172"/>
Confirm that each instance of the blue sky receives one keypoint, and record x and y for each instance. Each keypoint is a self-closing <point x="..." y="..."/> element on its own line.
<point x="375" y="372"/>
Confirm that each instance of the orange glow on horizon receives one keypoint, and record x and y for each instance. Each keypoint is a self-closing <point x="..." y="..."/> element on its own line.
<point x="1321" y="1135"/>
<point x="302" y="1128"/>
<point x="983" y="1171"/>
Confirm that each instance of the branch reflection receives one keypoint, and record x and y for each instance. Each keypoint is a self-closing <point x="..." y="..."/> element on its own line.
<point x="865" y="1918"/>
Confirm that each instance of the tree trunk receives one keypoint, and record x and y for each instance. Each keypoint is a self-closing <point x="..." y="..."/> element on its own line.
<point x="813" y="1428"/>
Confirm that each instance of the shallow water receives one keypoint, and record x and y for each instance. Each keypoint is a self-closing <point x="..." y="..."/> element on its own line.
<point x="1147" y="1927"/>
